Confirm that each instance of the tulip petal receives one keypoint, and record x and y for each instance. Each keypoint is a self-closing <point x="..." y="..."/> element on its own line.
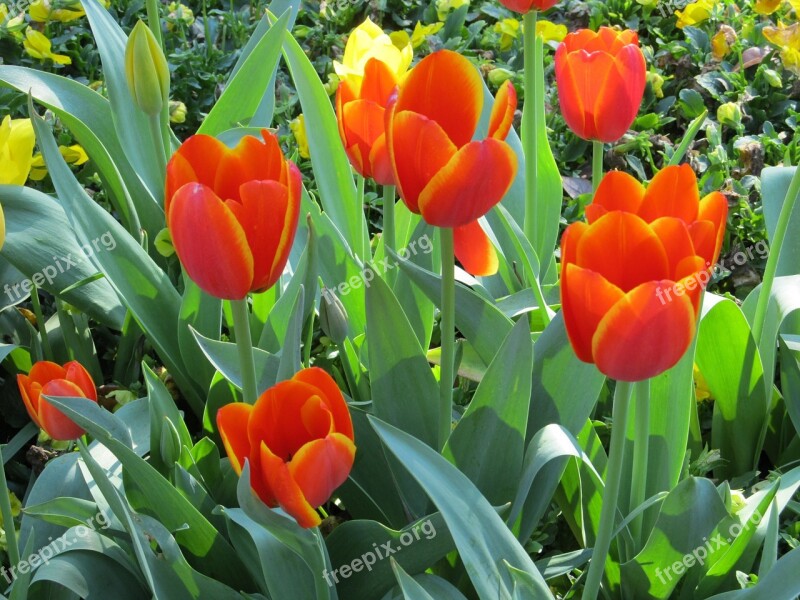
<point x="380" y="165"/>
<point x="287" y="493"/>
<point x="708" y="243"/>
<point x="196" y="161"/>
<point x="322" y="466"/>
<point x="693" y="275"/>
<point x="55" y="423"/>
<point x="645" y="333"/>
<point x="474" y="250"/>
<point x="77" y="374"/>
<point x="445" y="87"/>
<point x="210" y="243"/>
<point x="623" y="249"/>
<point x="570" y="92"/>
<point x="30" y="392"/>
<point x="331" y="394"/>
<point x="677" y="242"/>
<point x="469" y="185"/>
<point x="671" y="193"/>
<point x="418" y="148"/>
<point x="232" y="422"/>
<point x="362" y="123"/>
<point x="44" y="370"/>
<point x="503" y="111"/>
<point x="619" y="93"/>
<point x="617" y="191"/>
<point x="378" y="82"/>
<point x="250" y="160"/>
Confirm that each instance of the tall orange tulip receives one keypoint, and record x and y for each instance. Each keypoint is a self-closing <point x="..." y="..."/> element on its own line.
<point x="440" y="172"/>
<point x="632" y="278"/>
<point x="600" y="78"/>
<point x="232" y="213"/>
<point x="298" y="440"/>
<point x="524" y="6"/>
<point x="49" y="379"/>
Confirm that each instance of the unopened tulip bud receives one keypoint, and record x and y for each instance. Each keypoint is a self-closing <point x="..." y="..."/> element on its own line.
<point x="146" y="70"/>
<point x="333" y="317"/>
<point x="499" y="76"/>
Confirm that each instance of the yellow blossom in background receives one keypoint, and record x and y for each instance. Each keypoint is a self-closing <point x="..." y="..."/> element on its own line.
<point x="795" y="4"/>
<point x="42" y="10"/>
<point x="177" y="111"/>
<point x="694" y="13"/>
<point x="443" y="7"/>
<point x="368" y="41"/>
<point x="16" y="150"/>
<point x="3" y="13"/>
<point x="421" y="33"/>
<point x="509" y="30"/>
<point x="38" y="46"/>
<point x="73" y="155"/>
<point x="657" y="81"/>
<point x="787" y="38"/>
<point x="13" y="24"/>
<point x="701" y="390"/>
<point x="790" y="57"/>
<point x="550" y="32"/>
<point x="298" y="127"/>
<point x="766" y="7"/>
<point x="179" y="13"/>
<point x="719" y="45"/>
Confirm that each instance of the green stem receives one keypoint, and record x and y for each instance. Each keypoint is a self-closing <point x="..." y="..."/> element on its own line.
<point x="775" y="252"/>
<point x="389" y="238"/>
<point x="8" y="516"/>
<point x="597" y="164"/>
<point x="154" y="20"/>
<point x="529" y="123"/>
<point x="359" y="246"/>
<point x="244" y="344"/>
<point x="41" y="324"/>
<point x="309" y="341"/>
<point x="641" y="449"/>
<point x="619" y="427"/>
<point x="448" y="334"/>
<point x="158" y="144"/>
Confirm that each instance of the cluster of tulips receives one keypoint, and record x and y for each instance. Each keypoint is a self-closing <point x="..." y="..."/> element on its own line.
<point x="233" y="213"/>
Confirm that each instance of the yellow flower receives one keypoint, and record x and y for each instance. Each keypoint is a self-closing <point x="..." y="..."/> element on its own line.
<point x="509" y="31"/>
<point x="795" y="4"/>
<point x="443" y="7"/>
<point x="790" y="57"/>
<point x="695" y="13"/>
<point x="16" y="150"/>
<point x="657" y="81"/>
<point x="3" y="13"/>
<point x="788" y="40"/>
<point x="42" y="10"/>
<point x="298" y="127"/>
<point x="421" y="33"/>
<point x="766" y="7"/>
<point x="38" y="46"/>
<point x="701" y="390"/>
<point x="369" y="41"/>
<point x="179" y="13"/>
<point x="719" y="45"/>
<point x="73" y="155"/>
<point x="177" y="111"/>
<point x="550" y="32"/>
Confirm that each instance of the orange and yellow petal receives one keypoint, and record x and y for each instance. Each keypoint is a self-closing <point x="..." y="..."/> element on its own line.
<point x="57" y="425"/>
<point x="319" y="378"/>
<point x="713" y="209"/>
<point x="77" y="374"/>
<point x="196" y="161"/>
<point x="380" y="164"/>
<point x="232" y="420"/>
<point x="287" y="492"/>
<point x="617" y="191"/>
<point x="30" y="392"/>
<point x="502" y="115"/>
<point x="378" y="83"/>
<point x="671" y="193"/>
<point x="674" y="236"/>
<point x="322" y="466"/>
<point x="621" y="94"/>
<point x="474" y="250"/>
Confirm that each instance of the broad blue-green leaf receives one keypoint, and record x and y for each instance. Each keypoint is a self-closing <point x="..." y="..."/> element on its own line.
<point x="202" y="313"/>
<point x="774" y="185"/>
<point x="781" y="583"/>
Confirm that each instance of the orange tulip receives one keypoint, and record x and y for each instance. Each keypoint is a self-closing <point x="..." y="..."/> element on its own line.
<point x="298" y="439"/>
<point x="49" y="379"/>
<point x="440" y="172"/>
<point x="232" y="213"/>
<point x="632" y="278"/>
<point x="524" y="6"/>
<point x="600" y="78"/>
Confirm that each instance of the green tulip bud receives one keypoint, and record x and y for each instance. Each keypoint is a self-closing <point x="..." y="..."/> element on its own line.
<point x="333" y="317"/>
<point x="146" y="70"/>
<point x="730" y="114"/>
<point x="170" y="443"/>
<point x="498" y="76"/>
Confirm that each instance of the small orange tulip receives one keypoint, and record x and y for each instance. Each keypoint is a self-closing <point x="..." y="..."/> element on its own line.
<point x="298" y="439"/>
<point x="440" y="172"/>
<point x="232" y="213"/>
<point x="49" y="379"/>
<point x="524" y="6"/>
<point x="601" y="79"/>
<point x="632" y="278"/>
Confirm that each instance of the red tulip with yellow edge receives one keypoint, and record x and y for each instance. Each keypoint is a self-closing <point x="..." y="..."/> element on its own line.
<point x="632" y="277"/>
<point x="440" y="171"/>
<point x="232" y="212"/>
<point x="601" y="78"/>
<point x="50" y="379"/>
<point x="525" y="6"/>
<point x="298" y="440"/>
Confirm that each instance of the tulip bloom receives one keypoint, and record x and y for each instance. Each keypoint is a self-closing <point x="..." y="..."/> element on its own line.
<point x="232" y="212"/>
<point x="16" y="150"/>
<point x="49" y="379"/>
<point x="524" y="6"/>
<point x="440" y="172"/>
<point x="632" y="278"/>
<point x="298" y="439"/>
<point x="372" y="66"/>
<point x="601" y="79"/>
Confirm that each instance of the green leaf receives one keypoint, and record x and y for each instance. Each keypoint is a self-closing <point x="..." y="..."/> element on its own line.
<point x="290" y="353"/>
<point x="410" y="588"/>
<point x="482" y="539"/>
<point x="87" y="575"/>
<point x="162" y="410"/>
<point x="774" y="185"/>
<point x="64" y="511"/>
<point x="202" y="313"/>
<point x="781" y="583"/>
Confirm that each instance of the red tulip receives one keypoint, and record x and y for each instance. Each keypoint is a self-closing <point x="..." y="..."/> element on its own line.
<point x="298" y="439"/>
<point x="440" y="172"/>
<point x="524" y="6"/>
<point x="632" y="278"/>
<point x="600" y="78"/>
<point x="232" y="213"/>
<point x="49" y="379"/>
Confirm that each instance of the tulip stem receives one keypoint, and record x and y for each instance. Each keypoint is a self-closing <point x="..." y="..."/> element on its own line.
<point x="156" y="134"/>
<point x="154" y="20"/>
<point x="8" y="516"/>
<point x="40" y="323"/>
<point x="775" y="251"/>
<point x="448" y="333"/>
<point x="244" y="343"/>
<point x="360" y="243"/>
<point x="619" y="426"/>
<point x="641" y="449"/>
<point x="530" y="57"/>
<point x="389" y="239"/>
<point x="597" y="164"/>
